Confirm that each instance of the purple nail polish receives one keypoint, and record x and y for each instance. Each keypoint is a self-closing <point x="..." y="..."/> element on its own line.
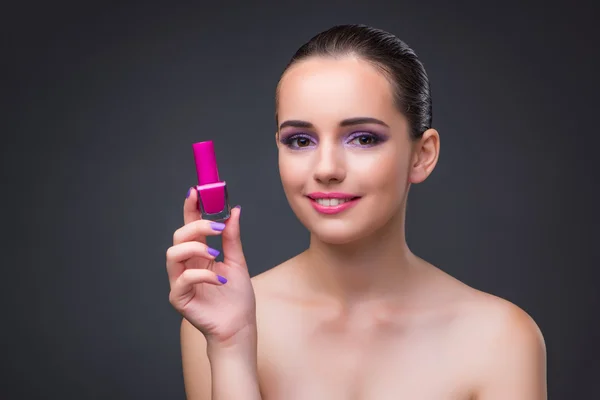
<point x="213" y="252"/>
<point x="217" y="226"/>
<point x="221" y="279"/>
<point x="188" y="193"/>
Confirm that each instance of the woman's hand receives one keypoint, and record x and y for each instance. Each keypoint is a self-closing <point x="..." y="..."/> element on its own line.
<point x="216" y="297"/>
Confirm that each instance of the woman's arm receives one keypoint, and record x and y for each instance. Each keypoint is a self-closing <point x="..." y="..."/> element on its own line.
<point x="220" y="372"/>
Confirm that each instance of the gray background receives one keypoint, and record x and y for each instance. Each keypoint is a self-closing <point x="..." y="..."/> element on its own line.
<point x="102" y="104"/>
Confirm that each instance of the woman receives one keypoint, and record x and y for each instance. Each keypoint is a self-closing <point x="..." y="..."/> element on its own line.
<point x="357" y="315"/>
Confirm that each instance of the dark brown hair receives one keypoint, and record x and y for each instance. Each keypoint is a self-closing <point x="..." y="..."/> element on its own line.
<point x="392" y="56"/>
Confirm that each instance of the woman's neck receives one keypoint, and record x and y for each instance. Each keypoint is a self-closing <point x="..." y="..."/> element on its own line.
<point x="373" y="268"/>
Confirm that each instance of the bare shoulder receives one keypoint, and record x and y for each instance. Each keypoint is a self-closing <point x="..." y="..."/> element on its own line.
<point x="278" y="279"/>
<point x="505" y="347"/>
<point x="487" y="316"/>
<point x="493" y="318"/>
<point x="489" y="320"/>
<point x="500" y="345"/>
<point x="279" y="300"/>
<point x="504" y="321"/>
<point x="276" y="282"/>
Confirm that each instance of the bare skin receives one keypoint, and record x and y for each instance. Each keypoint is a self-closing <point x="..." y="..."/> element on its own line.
<point x="357" y="315"/>
<point x="443" y="341"/>
<point x="439" y="341"/>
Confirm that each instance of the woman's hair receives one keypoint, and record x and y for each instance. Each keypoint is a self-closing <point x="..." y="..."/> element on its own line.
<point x="392" y="56"/>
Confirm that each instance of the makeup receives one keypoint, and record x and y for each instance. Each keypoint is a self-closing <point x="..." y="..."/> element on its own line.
<point x="332" y="203"/>
<point x="213" y="199"/>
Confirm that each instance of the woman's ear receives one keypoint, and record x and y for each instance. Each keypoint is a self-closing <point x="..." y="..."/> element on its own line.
<point x="425" y="156"/>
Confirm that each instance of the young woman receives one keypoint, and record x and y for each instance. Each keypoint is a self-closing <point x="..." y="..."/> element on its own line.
<point x="357" y="315"/>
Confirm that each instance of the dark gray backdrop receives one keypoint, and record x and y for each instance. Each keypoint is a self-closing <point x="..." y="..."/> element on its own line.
<point x="103" y="105"/>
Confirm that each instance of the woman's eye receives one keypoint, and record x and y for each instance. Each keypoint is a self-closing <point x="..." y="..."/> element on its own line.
<point x="364" y="140"/>
<point x="297" y="141"/>
<point x="302" y="142"/>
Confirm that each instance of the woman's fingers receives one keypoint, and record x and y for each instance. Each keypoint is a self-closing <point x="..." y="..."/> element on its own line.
<point x="190" y="207"/>
<point x="182" y="290"/>
<point x="233" y="253"/>
<point x="178" y="254"/>
<point x="197" y="231"/>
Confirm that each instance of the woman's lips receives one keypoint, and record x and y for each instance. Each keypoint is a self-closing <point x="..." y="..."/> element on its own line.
<point x="333" y="205"/>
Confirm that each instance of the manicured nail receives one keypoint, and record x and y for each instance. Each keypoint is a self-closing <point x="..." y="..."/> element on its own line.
<point x="221" y="279"/>
<point x="238" y="206"/>
<point x="188" y="193"/>
<point x="217" y="226"/>
<point x="213" y="252"/>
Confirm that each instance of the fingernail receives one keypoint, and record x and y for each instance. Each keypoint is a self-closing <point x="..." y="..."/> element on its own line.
<point x="238" y="206"/>
<point x="221" y="279"/>
<point x="213" y="252"/>
<point x="217" y="226"/>
<point x="188" y="193"/>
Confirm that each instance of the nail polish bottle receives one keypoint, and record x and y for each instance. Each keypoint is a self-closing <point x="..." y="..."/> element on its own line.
<point x="213" y="201"/>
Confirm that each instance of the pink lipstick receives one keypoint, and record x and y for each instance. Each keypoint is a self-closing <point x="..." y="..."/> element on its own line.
<point x="332" y="203"/>
<point x="213" y="199"/>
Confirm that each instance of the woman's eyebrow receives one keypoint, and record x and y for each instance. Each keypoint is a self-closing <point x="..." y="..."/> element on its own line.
<point x="347" y="122"/>
<point x="296" y="124"/>
<point x="362" y="120"/>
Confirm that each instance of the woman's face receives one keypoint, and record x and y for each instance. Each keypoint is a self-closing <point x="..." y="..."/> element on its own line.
<point x="345" y="152"/>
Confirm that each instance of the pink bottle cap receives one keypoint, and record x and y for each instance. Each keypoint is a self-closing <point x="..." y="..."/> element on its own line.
<point x="206" y="162"/>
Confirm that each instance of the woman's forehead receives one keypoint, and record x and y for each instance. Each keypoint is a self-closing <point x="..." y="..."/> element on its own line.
<point x="332" y="85"/>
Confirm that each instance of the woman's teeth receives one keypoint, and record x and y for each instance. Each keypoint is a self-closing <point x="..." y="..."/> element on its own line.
<point x="331" y="202"/>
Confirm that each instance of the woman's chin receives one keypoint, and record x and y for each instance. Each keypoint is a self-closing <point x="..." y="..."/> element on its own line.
<point x="336" y="240"/>
<point x="342" y="228"/>
<point x="337" y="234"/>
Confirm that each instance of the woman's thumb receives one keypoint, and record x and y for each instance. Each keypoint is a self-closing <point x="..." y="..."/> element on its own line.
<point x="233" y="253"/>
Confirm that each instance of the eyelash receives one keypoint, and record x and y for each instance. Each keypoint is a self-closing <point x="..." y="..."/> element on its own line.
<point x="289" y="140"/>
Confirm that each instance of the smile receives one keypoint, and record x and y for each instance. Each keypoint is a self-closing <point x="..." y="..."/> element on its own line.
<point x="332" y="203"/>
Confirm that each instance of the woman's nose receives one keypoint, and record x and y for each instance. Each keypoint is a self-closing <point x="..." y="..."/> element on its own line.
<point x="329" y="167"/>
